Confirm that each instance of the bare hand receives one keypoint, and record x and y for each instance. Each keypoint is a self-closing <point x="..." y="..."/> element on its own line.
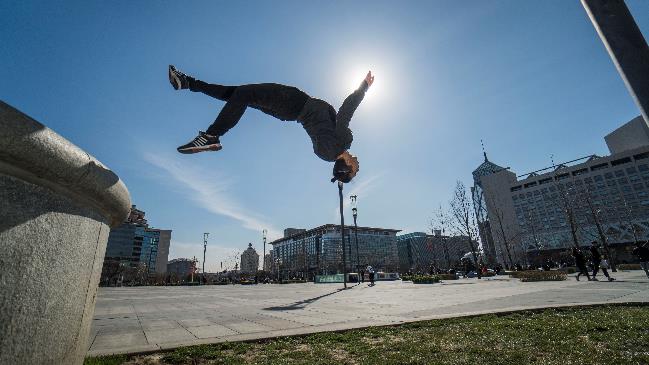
<point x="369" y="78"/>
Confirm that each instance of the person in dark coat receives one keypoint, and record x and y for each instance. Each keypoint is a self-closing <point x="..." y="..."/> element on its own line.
<point x="595" y="258"/>
<point x="329" y="130"/>
<point x="580" y="263"/>
<point x="642" y="252"/>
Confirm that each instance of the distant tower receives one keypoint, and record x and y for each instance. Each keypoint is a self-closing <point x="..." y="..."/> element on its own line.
<point x="480" y="205"/>
<point x="249" y="260"/>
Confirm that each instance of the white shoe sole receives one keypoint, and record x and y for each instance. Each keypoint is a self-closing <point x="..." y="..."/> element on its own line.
<point x="207" y="148"/>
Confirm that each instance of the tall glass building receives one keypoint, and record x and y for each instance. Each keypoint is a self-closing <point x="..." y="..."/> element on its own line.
<point x="134" y="243"/>
<point x="319" y="251"/>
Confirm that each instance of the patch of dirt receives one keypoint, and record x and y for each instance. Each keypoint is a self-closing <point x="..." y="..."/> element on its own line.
<point x="342" y="356"/>
<point x="155" y="359"/>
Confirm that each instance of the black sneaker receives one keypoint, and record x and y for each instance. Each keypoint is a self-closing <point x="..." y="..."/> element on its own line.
<point x="203" y="142"/>
<point x="178" y="79"/>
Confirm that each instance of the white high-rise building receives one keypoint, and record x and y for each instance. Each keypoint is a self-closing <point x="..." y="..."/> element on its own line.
<point x="541" y="214"/>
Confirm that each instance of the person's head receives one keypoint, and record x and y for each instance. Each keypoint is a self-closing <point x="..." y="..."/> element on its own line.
<point x="345" y="167"/>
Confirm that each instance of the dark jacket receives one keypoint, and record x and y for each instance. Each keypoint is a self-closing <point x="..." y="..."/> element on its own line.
<point x="642" y="252"/>
<point x="595" y="255"/>
<point x="329" y="131"/>
<point x="580" y="260"/>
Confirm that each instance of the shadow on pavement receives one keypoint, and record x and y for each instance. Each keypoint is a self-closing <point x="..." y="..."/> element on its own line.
<point x="302" y="303"/>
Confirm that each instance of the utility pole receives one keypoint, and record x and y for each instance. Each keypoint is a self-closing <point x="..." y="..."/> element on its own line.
<point x="342" y="233"/>
<point x="263" y="262"/>
<point x="354" y="199"/>
<point x="626" y="46"/>
<point x="205" y="235"/>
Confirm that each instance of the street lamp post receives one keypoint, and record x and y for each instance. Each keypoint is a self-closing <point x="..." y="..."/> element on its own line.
<point x="342" y="233"/>
<point x="205" y="235"/>
<point x="354" y="199"/>
<point x="263" y="260"/>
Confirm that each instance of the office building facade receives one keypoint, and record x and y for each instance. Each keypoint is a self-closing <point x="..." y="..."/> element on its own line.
<point x="319" y="251"/>
<point x="419" y="251"/>
<point x="134" y="243"/>
<point x="181" y="267"/>
<point x="587" y="199"/>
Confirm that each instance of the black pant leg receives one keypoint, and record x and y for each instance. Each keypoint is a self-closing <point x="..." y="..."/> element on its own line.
<point x="605" y="271"/>
<point x="280" y="101"/>
<point x="216" y="91"/>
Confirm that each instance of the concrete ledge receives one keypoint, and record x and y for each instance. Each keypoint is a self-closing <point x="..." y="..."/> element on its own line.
<point x="57" y="204"/>
<point x="34" y="153"/>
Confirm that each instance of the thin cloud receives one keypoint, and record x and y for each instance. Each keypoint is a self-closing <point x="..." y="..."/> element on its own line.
<point x="210" y="192"/>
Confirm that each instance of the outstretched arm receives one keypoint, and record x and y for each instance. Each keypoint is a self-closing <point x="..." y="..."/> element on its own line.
<point x="352" y="102"/>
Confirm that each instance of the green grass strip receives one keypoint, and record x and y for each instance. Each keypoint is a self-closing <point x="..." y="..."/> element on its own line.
<point x="615" y="334"/>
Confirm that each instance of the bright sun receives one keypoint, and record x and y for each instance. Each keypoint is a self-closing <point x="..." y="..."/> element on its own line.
<point x="355" y="78"/>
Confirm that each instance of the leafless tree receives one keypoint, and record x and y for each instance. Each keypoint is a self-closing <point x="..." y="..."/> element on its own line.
<point x="594" y="213"/>
<point x="500" y="231"/>
<point x="566" y="200"/>
<point x="463" y="220"/>
<point x="440" y="221"/>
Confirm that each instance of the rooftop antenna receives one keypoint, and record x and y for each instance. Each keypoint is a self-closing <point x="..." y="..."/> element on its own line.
<point x="552" y="160"/>
<point x="483" y="151"/>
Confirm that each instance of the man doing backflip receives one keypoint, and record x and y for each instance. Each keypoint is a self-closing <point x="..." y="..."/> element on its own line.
<point x="328" y="129"/>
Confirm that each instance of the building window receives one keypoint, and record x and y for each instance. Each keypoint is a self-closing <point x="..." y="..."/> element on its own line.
<point x="630" y="170"/>
<point x="619" y="173"/>
<point x="599" y="167"/>
<point x="545" y="181"/>
<point x="641" y="156"/>
<point x="516" y="188"/>
<point x="620" y="161"/>
<point x="533" y="183"/>
<point x="608" y="175"/>
<point x="580" y="171"/>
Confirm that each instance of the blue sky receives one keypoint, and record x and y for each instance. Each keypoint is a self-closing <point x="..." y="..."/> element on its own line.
<point x="530" y="78"/>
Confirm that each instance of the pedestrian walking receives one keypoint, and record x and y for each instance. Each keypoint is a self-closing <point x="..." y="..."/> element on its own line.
<point x="642" y="252"/>
<point x="362" y="275"/>
<point x="604" y="265"/>
<point x="595" y="258"/>
<point x="580" y="263"/>
<point x="370" y="271"/>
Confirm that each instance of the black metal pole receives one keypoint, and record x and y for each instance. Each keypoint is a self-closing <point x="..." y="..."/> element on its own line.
<point x="342" y="233"/>
<point x="625" y="44"/>
<point x="263" y="262"/>
<point x="204" y="251"/>
<point x="356" y="239"/>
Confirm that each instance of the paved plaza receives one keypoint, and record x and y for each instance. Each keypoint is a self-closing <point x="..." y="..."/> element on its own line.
<point x="153" y="318"/>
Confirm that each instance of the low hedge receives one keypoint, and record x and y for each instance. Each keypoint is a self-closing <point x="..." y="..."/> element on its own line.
<point x="291" y="282"/>
<point x="425" y="279"/>
<point x="447" y="276"/>
<point x="533" y="275"/>
<point x="629" y="267"/>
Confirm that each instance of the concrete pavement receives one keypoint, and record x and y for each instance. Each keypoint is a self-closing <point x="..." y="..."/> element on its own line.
<point x="153" y="318"/>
